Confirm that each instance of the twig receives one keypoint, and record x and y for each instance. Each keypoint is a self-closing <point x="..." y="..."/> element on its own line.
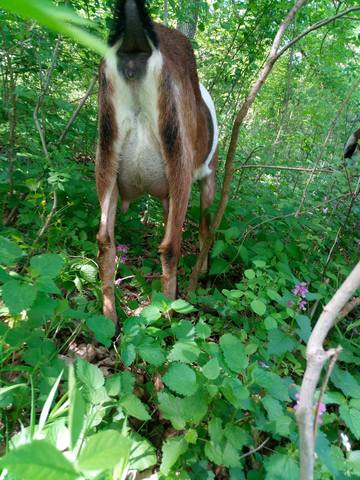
<point x="78" y="108"/>
<point x="324" y="386"/>
<point x="280" y="167"/>
<point x="316" y="357"/>
<point x="254" y="450"/>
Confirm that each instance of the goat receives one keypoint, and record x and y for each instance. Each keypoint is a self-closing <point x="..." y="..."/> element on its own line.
<point x="352" y="146"/>
<point x="157" y="134"/>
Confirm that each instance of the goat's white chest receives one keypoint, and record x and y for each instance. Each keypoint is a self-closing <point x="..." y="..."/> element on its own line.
<point x="141" y="166"/>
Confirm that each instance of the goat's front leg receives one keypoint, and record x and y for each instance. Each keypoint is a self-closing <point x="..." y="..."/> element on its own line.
<point x="170" y="247"/>
<point x="108" y="196"/>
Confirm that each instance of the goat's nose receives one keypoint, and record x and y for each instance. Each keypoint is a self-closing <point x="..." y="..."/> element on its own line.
<point x="129" y="73"/>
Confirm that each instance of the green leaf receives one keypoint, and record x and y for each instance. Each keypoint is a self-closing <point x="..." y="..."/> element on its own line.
<point x="354" y="461"/>
<point x="234" y="353"/>
<point x="272" y="383"/>
<point x="152" y="353"/>
<point x="250" y="274"/>
<point x="304" y="324"/>
<point x="273" y="407"/>
<point x="281" y="467"/>
<point x="38" y="460"/>
<point x="18" y="296"/>
<point x="181" y="306"/>
<point x="184" y="351"/>
<point x="270" y="323"/>
<point x="134" y="407"/>
<point x="151" y="314"/>
<point x="218" y="266"/>
<point x="48" y="265"/>
<point x="345" y="382"/>
<point x="47" y="405"/>
<point x="90" y="375"/>
<point x="103" y="328"/>
<point x="181" y="379"/>
<point x="191" y="436"/>
<point x="279" y="343"/>
<point x="351" y="417"/>
<point x="171" y="451"/>
<point x="211" y="369"/>
<point x="104" y="450"/>
<point x="273" y="294"/>
<point x="77" y="410"/>
<point x="9" y="251"/>
<point x="202" y="330"/>
<point x="258" y="307"/>
<point x="172" y="408"/>
<point x="234" y="391"/>
<point x="89" y="272"/>
<point x="142" y="455"/>
<point x="57" y="19"/>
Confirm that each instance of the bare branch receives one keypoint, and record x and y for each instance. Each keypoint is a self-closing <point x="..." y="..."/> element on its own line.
<point x="78" y="108"/>
<point x="318" y="25"/>
<point x="349" y="307"/>
<point x="316" y="357"/>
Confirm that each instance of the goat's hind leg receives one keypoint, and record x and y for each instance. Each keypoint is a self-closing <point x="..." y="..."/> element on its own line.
<point x="207" y="193"/>
<point x="106" y="241"/>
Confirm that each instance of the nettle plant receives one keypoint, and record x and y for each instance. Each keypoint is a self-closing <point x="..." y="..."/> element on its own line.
<point x="195" y="389"/>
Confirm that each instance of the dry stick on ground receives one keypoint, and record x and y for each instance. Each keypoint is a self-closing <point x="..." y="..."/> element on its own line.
<point x="316" y="357"/>
<point x="41" y="132"/>
<point x="327" y="139"/>
<point x="273" y="56"/>
<point x="82" y="102"/>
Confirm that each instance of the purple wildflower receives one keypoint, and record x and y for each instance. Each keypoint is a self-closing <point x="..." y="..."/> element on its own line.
<point x="118" y="281"/>
<point x="122" y="248"/>
<point x="301" y="289"/>
<point x="302" y="304"/>
<point x="123" y="259"/>
<point x="322" y="406"/>
<point x="116" y="259"/>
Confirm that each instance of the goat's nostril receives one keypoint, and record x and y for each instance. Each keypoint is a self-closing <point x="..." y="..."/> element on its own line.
<point x="129" y="73"/>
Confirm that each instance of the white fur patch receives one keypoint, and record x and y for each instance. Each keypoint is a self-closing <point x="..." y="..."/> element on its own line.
<point x="141" y="167"/>
<point x="205" y="170"/>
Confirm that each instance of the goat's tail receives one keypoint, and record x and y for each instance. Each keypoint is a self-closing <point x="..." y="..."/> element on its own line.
<point x="133" y="25"/>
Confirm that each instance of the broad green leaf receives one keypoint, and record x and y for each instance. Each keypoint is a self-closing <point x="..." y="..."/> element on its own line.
<point x="191" y="436"/>
<point x="258" y="307"/>
<point x="38" y="460"/>
<point x="354" y="461"/>
<point x="171" y="451"/>
<point x="104" y="450"/>
<point x="151" y="313"/>
<point x="47" y="265"/>
<point x="90" y="375"/>
<point x="89" y="272"/>
<point x="218" y="266"/>
<point x="134" y="407"/>
<point x="351" y="417"/>
<point x="279" y="343"/>
<point x="270" y="323"/>
<point x="234" y="391"/>
<point x="273" y="407"/>
<point x="9" y="251"/>
<point x="103" y="328"/>
<point x="202" y="330"/>
<point x="181" y="306"/>
<point x="234" y="352"/>
<point x="304" y="324"/>
<point x="272" y="383"/>
<point x="142" y="455"/>
<point x="172" y="408"/>
<point x="152" y="353"/>
<point x="181" y="379"/>
<point x="184" y="351"/>
<point x="345" y="382"/>
<point x="281" y="467"/>
<point x="211" y="369"/>
<point x="250" y="274"/>
<point x="18" y="296"/>
<point x="5" y="390"/>
<point x="273" y="294"/>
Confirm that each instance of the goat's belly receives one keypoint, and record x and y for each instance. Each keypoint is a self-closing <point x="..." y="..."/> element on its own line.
<point x="141" y="167"/>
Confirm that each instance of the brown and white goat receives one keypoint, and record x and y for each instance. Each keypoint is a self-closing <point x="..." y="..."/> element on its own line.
<point x="157" y="134"/>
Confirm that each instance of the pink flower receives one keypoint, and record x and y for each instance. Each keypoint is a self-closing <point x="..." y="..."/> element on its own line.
<point x="301" y="289"/>
<point x="122" y="248"/>
<point x="302" y="305"/>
